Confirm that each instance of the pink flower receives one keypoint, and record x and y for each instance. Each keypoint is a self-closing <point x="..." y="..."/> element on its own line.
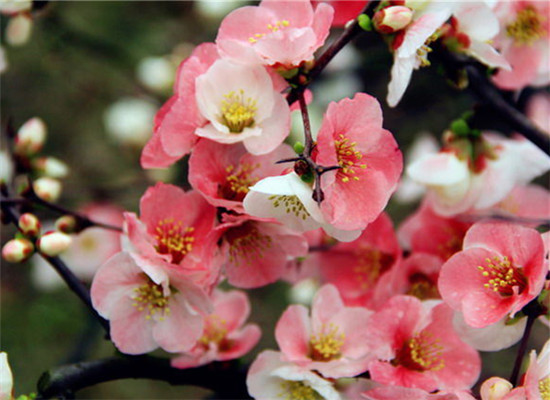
<point x="148" y="308"/>
<point x="177" y="120"/>
<point x="345" y="10"/>
<point x="398" y="392"/>
<point x="224" y="173"/>
<point x="224" y="337"/>
<point x="332" y="341"/>
<point x="361" y="269"/>
<point x="271" y="377"/>
<point x="352" y="137"/>
<point x="174" y="232"/>
<point x="523" y="41"/>
<point x="247" y="108"/>
<point x="500" y="269"/>
<point x="416" y="347"/>
<point x="417" y="276"/>
<point x="275" y="33"/>
<point x="257" y="250"/>
<point x="538" y="110"/>
<point x="426" y="232"/>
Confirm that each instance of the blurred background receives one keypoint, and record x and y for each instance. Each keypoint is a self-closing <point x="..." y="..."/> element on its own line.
<point x="96" y="73"/>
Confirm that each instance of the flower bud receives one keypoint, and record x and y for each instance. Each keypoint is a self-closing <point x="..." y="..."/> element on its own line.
<point x="29" y="224"/>
<point x="46" y="188"/>
<point x="495" y="388"/>
<point x="30" y="137"/>
<point x="53" y="243"/>
<point x="51" y="166"/>
<point x="17" y="250"/>
<point x="19" y="30"/>
<point x="66" y="224"/>
<point x="392" y="19"/>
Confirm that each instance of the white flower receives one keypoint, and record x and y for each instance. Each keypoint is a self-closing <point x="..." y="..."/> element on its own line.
<point x="6" y="378"/>
<point x="289" y="199"/>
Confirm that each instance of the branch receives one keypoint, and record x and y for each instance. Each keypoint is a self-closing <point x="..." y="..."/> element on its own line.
<point x="70" y="279"/>
<point x="226" y="379"/>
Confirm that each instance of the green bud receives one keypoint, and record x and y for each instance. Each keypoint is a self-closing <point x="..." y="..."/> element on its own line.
<point x="476" y="133"/>
<point x="299" y="147"/>
<point x="307" y="177"/>
<point x="460" y="127"/>
<point x="290" y="73"/>
<point x="365" y="22"/>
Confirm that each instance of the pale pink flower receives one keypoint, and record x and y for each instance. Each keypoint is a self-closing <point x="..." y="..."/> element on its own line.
<point x="352" y="137"/>
<point x="272" y="377"/>
<point x="224" y="337"/>
<point x="332" y="340"/>
<point x="361" y="269"/>
<point x="258" y="250"/>
<point x="174" y="232"/>
<point x="416" y="346"/>
<point x="500" y="269"/>
<point x="148" y="308"/>
<point x="224" y="173"/>
<point x="538" y="110"/>
<point x="247" y="108"/>
<point x="289" y="200"/>
<point x="523" y="41"/>
<point x="457" y="184"/>
<point x="276" y="33"/>
<point x="177" y="120"/>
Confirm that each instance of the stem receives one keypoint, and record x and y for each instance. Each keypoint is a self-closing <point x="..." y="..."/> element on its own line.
<point x="521" y="350"/>
<point x="307" y="126"/>
<point x="351" y="31"/>
<point x="70" y="279"/>
<point x="226" y="379"/>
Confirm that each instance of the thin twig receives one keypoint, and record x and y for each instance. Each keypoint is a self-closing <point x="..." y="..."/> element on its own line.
<point x="307" y="126"/>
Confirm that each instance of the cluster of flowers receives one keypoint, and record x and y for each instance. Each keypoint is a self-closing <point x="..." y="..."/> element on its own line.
<point x="415" y="323"/>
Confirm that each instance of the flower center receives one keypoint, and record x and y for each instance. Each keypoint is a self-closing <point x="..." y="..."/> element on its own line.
<point x="238" y="181"/>
<point x="149" y="297"/>
<point x="247" y="243"/>
<point x="292" y="204"/>
<point x="214" y="332"/>
<point x="237" y="112"/>
<point x="294" y="390"/>
<point x="544" y="388"/>
<point x="174" y="239"/>
<point x="348" y="158"/>
<point x="277" y="26"/>
<point x="422" y="287"/>
<point x="326" y="345"/>
<point x="421" y="353"/>
<point x="452" y="245"/>
<point x="371" y="263"/>
<point x="502" y="276"/>
<point x="527" y="27"/>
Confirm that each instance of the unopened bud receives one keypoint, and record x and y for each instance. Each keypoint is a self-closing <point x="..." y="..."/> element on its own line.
<point x="392" y="19"/>
<point x="53" y="243"/>
<point x="19" y="30"/>
<point x="495" y="388"/>
<point x="31" y="137"/>
<point x="46" y="188"/>
<point x="66" y="224"/>
<point x="51" y="166"/>
<point x="29" y="224"/>
<point x="17" y="250"/>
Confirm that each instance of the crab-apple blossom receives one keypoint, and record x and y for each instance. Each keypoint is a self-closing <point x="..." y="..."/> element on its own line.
<point x="370" y="162"/>
<point x="280" y="34"/>
<point x="148" y="307"/>
<point x="174" y="231"/>
<point x="332" y="341"/>
<point x="224" y="336"/>
<point x="457" y="183"/>
<point x="417" y="276"/>
<point x="17" y="250"/>
<point x="223" y="173"/>
<point x="258" y="250"/>
<point x="272" y="377"/>
<point x="6" y="378"/>
<point x="523" y="41"/>
<point x="399" y="392"/>
<point x="290" y="200"/>
<point x="415" y="346"/>
<point x="500" y="269"/>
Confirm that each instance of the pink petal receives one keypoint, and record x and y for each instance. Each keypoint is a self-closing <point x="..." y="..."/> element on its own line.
<point x="293" y="333"/>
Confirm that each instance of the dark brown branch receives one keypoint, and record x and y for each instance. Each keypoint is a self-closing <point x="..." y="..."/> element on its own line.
<point x="70" y="279"/>
<point x="226" y="379"/>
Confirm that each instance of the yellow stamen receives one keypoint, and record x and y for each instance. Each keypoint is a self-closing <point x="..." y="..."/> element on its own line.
<point x="237" y="112"/>
<point x="348" y="159"/>
<point x="527" y="27"/>
<point x="502" y="276"/>
<point x="326" y="345"/>
<point x="292" y="204"/>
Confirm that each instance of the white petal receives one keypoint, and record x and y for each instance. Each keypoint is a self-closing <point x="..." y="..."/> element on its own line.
<point x="442" y="169"/>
